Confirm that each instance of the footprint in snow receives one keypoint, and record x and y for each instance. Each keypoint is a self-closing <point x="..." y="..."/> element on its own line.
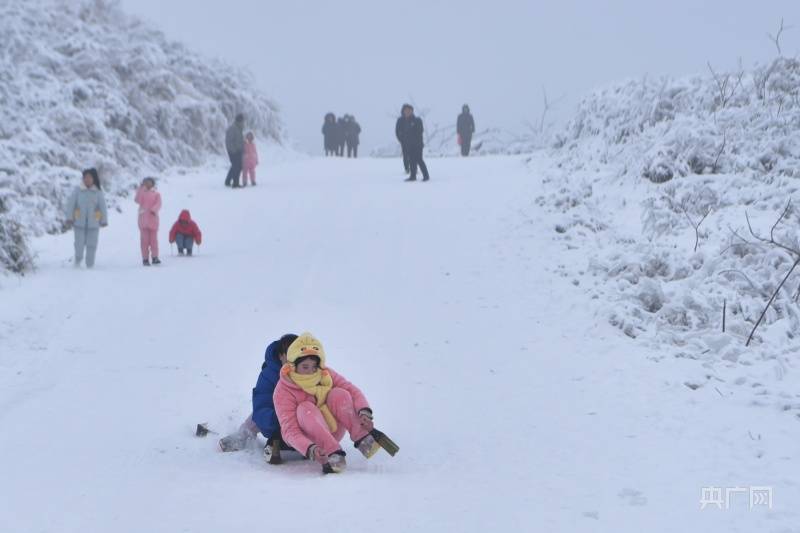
<point x="634" y="497"/>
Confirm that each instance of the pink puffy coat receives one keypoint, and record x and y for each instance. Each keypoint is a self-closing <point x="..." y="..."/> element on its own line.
<point x="149" y="205"/>
<point x="250" y="158"/>
<point x="288" y="396"/>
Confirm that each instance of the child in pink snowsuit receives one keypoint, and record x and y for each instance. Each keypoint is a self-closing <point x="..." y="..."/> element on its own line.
<point x="149" y="201"/>
<point x="249" y="160"/>
<point x="315" y="406"/>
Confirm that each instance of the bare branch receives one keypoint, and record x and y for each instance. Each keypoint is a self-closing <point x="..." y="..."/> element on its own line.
<point x="783" y="215"/>
<point x="715" y="166"/>
<point x="724" y="313"/>
<point x="772" y="240"/>
<point x="548" y="105"/>
<point x="695" y="226"/>
<point x="776" y="39"/>
<point x="769" y="303"/>
<point x="739" y="272"/>
<point x="723" y="82"/>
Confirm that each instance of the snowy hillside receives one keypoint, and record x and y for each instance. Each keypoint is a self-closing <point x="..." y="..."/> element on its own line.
<point x="83" y="84"/>
<point x="515" y="408"/>
<point x="742" y="121"/>
<point x="654" y="182"/>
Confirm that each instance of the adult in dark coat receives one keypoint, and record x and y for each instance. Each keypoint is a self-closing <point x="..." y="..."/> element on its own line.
<point x="410" y="135"/>
<point x="465" y="126"/>
<point x="234" y="144"/>
<point x="352" y="133"/>
<point x="341" y="134"/>
<point x="329" y="134"/>
<point x="406" y="163"/>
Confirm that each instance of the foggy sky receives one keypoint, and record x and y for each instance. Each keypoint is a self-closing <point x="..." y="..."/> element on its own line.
<point x="367" y="57"/>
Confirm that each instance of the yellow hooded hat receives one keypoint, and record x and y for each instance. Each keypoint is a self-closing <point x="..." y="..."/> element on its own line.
<point x="306" y="345"/>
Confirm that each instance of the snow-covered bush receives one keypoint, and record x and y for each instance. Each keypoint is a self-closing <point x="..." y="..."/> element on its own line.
<point x="742" y="122"/>
<point x="84" y="84"/>
<point x="679" y="171"/>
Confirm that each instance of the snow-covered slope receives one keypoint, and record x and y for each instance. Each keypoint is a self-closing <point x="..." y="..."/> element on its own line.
<point x="83" y="84"/>
<point x="743" y="121"/>
<point x="643" y="164"/>
<point x="514" y="407"/>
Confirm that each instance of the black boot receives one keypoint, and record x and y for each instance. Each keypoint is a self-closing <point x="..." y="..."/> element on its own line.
<point x="146" y="262"/>
<point x="272" y="452"/>
<point x="156" y="261"/>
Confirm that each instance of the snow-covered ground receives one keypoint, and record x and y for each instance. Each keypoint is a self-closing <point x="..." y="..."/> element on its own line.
<point x="516" y="406"/>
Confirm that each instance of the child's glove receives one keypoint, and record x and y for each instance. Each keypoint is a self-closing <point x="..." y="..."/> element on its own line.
<point x="365" y="417"/>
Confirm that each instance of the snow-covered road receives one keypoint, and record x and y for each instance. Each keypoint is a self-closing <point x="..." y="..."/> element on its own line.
<point x="514" y="406"/>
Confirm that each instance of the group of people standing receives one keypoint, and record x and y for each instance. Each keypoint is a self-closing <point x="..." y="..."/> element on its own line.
<point x="340" y="133"/>
<point x="86" y="212"/>
<point x="242" y="152"/>
<point x="409" y="131"/>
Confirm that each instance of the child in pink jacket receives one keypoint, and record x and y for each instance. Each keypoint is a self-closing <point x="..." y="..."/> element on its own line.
<point x="315" y="407"/>
<point x="249" y="160"/>
<point x="149" y="201"/>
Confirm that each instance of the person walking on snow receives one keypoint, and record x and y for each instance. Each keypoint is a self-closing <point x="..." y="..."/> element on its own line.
<point x="329" y="134"/>
<point x="263" y="418"/>
<point x="149" y="201"/>
<point x="250" y="160"/>
<point x="352" y="133"/>
<point x="410" y="135"/>
<point x="86" y="212"/>
<point x="185" y="233"/>
<point x="234" y="144"/>
<point x="406" y="164"/>
<point x="465" y="127"/>
<point x="315" y="407"/>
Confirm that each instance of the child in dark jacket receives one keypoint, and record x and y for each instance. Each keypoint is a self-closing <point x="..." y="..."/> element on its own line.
<point x="185" y="233"/>
<point x="263" y="419"/>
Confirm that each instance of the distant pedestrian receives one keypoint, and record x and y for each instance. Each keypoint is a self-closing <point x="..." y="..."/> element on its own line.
<point x="249" y="160"/>
<point x="352" y="133"/>
<point x="234" y="144"/>
<point x="86" y="212"/>
<point x="329" y="134"/>
<point x="406" y="163"/>
<point x="465" y="127"/>
<point x="410" y="135"/>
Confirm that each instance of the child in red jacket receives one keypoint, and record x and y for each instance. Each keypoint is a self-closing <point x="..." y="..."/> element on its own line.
<point x="185" y="232"/>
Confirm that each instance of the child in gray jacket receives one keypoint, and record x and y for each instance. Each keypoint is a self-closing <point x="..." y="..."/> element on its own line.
<point x="86" y="212"/>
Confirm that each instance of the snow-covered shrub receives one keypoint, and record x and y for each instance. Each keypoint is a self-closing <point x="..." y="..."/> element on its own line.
<point x="84" y="84"/>
<point x="677" y="168"/>
<point x="664" y="128"/>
